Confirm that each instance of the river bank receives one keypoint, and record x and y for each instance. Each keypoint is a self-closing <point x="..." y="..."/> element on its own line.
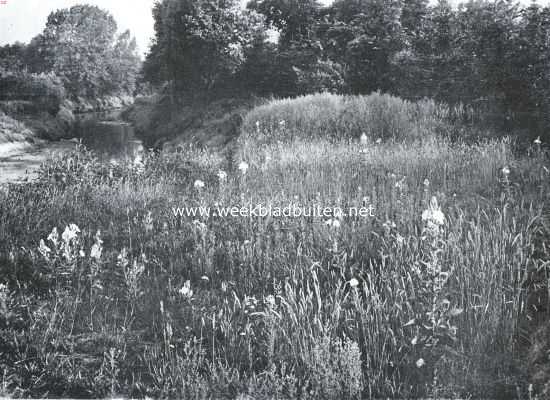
<point x="27" y="139"/>
<point x="21" y="162"/>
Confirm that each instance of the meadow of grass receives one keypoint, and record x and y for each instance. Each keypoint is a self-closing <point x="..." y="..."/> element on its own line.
<point x="424" y="299"/>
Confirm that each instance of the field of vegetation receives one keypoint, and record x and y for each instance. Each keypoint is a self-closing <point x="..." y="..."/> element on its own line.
<point x="105" y="292"/>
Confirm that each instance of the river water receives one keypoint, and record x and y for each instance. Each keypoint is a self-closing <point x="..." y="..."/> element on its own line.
<point x="105" y="133"/>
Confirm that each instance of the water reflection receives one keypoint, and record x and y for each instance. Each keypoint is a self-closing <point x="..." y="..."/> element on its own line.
<point x="111" y="138"/>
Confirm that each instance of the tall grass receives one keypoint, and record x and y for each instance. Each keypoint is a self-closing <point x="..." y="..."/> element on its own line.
<point x="274" y="307"/>
<point x="378" y="116"/>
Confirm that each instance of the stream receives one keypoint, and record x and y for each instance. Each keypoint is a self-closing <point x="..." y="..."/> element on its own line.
<point x="105" y="133"/>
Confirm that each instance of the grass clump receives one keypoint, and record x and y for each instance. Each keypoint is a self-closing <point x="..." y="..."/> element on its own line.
<point x="378" y="116"/>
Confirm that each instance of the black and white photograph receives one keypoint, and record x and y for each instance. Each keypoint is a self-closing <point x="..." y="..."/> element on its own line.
<point x="275" y="199"/>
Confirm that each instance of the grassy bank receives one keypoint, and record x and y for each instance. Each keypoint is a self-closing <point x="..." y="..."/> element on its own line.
<point x="14" y="135"/>
<point x="425" y="298"/>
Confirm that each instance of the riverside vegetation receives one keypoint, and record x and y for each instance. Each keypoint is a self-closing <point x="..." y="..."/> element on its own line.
<point x="104" y="292"/>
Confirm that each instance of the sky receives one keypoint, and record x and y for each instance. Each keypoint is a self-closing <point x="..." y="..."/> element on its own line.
<point x="21" y="20"/>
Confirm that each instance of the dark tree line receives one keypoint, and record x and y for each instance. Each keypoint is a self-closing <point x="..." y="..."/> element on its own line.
<point x="492" y="55"/>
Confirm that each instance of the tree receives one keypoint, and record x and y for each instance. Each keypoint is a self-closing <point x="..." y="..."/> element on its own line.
<point x="294" y="19"/>
<point x="199" y="44"/>
<point x="125" y="63"/>
<point x="78" y="44"/>
<point x="363" y="36"/>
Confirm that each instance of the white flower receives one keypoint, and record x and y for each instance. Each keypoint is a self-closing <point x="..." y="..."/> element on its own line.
<point x="53" y="236"/>
<point x="199" y="184"/>
<point x="506" y="171"/>
<point x="200" y="225"/>
<point x="81" y="253"/>
<point x="426" y="182"/>
<point x="537" y="141"/>
<point x="433" y="216"/>
<point x="363" y="139"/>
<point x="205" y="278"/>
<point x="70" y="233"/>
<point x="222" y="176"/>
<point x="420" y="363"/>
<point x="282" y="123"/>
<point x="96" y="251"/>
<point x="414" y="341"/>
<point x="389" y="225"/>
<point x="270" y="300"/>
<point x="44" y="250"/>
<point x="186" y="291"/>
<point x="97" y="248"/>
<point x="333" y="223"/>
<point x="243" y="167"/>
<point x="379" y="140"/>
<point x="353" y="282"/>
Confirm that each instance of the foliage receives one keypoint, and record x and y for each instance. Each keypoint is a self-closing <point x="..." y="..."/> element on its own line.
<point x="78" y="45"/>
<point x="198" y="44"/>
<point x="45" y="90"/>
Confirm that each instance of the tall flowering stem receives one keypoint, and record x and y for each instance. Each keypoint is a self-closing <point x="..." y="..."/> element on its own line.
<point x="434" y="320"/>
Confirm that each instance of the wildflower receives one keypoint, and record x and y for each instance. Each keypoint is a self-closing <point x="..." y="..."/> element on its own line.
<point x="246" y="242"/>
<point x="414" y="341"/>
<point x="420" y="363"/>
<point x="363" y="139"/>
<point x="70" y="233"/>
<point x="96" y="251"/>
<point x="433" y="216"/>
<point x="199" y="184"/>
<point x="186" y="291"/>
<point x="333" y="223"/>
<point x="426" y="182"/>
<point x="122" y="258"/>
<point x="258" y="125"/>
<point x="354" y="283"/>
<point x="54" y="236"/>
<point x="205" y="278"/>
<point x="148" y="222"/>
<point x="200" y="225"/>
<point x="224" y="286"/>
<point x="270" y="300"/>
<point x="97" y="248"/>
<point x="389" y="225"/>
<point x="379" y="140"/>
<point x="282" y="124"/>
<point x="43" y="249"/>
<point x="222" y="176"/>
<point x="243" y="167"/>
<point x="81" y="253"/>
<point x="537" y="141"/>
<point x="506" y="171"/>
<point x="250" y="302"/>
